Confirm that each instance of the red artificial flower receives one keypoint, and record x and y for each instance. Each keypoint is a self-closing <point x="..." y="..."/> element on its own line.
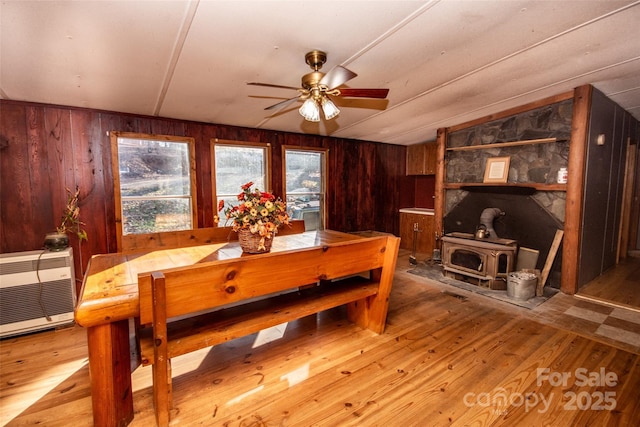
<point x="220" y="205"/>
<point x="247" y="185"/>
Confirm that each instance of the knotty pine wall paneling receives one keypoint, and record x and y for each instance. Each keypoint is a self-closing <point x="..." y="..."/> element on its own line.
<point x="45" y="149"/>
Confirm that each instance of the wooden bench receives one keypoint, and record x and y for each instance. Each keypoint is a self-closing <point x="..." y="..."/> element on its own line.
<point x="132" y="243"/>
<point x="232" y="286"/>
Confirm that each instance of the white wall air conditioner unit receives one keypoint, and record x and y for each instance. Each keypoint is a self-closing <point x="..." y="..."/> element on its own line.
<point x="37" y="291"/>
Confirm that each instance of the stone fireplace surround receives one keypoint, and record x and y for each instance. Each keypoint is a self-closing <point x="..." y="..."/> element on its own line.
<point x="532" y="217"/>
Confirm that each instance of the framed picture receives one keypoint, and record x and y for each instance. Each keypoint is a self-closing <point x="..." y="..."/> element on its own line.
<point x="497" y="169"/>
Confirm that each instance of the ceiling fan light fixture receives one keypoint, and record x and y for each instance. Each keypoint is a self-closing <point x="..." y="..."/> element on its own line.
<point x="317" y="88"/>
<point x="310" y="110"/>
<point x="329" y="108"/>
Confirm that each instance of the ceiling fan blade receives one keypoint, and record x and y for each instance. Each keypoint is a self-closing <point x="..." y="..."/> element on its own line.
<point x="364" y="93"/>
<point x="271" y="85"/>
<point x="282" y="104"/>
<point x="337" y="77"/>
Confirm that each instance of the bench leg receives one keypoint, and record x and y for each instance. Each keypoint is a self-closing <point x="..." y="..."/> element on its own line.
<point x="371" y="313"/>
<point x="358" y="312"/>
<point x="162" y="398"/>
<point x="379" y="304"/>
<point x="162" y="392"/>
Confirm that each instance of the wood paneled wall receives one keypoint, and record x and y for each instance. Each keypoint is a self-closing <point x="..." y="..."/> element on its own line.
<point x="45" y="149"/>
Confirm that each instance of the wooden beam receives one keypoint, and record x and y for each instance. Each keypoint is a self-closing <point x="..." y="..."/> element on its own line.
<point x="575" y="188"/>
<point x="505" y="144"/>
<point x="438" y="207"/>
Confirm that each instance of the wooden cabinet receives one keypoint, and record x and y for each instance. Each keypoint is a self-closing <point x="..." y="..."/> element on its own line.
<point x="425" y="236"/>
<point x="422" y="159"/>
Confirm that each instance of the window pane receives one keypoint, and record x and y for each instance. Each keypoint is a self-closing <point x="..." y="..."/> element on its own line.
<point x="236" y="165"/>
<point x="155" y="191"/>
<point x="153" y="168"/>
<point x="303" y="172"/>
<point x="304" y="187"/>
<point x="150" y="216"/>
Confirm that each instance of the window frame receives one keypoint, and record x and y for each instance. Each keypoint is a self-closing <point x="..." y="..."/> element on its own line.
<point x="324" y="182"/>
<point x="228" y="142"/>
<point x="114" y="136"/>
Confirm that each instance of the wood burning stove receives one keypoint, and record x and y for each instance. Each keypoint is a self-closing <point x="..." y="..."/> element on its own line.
<point x="486" y="262"/>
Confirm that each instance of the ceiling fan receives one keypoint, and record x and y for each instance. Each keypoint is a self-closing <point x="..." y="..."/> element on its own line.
<point x="318" y="87"/>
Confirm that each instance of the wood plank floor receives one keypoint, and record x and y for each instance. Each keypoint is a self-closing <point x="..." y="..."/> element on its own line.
<point x="619" y="285"/>
<point x="446" y="358"/>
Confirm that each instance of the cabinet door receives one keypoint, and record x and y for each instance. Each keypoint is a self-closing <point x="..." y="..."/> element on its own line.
<point x="425" y="236"/>
<point x="406" y="230"/>
<point x="421" y="159"/>
<point x="430" y="158"/>
<point x="415" y="159"/>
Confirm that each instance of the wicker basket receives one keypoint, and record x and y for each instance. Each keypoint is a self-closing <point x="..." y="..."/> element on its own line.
<point x="250" y="243"/>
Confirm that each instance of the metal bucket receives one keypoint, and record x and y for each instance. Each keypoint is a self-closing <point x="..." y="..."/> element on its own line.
<point x="521" y="285"/>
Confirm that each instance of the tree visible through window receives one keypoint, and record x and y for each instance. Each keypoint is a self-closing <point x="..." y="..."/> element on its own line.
<point x="155" y="183"/>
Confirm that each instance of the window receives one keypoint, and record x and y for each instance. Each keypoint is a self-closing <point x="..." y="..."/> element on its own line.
<point x="155" y="184"/>
<point x="235" y="163"/>
<point x="305" y="185"/>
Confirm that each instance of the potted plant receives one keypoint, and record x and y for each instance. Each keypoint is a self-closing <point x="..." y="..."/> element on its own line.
<point x="70" y="224"/>
<point x="256" y="218"/>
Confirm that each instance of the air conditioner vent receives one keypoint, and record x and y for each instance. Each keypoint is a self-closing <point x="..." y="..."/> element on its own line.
<point x="20" y="303"/>
<point x="37" y="291"/>
<point x="33" y="265"/>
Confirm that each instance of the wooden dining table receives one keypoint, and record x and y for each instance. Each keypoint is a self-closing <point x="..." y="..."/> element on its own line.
<point x="109" y="300"/>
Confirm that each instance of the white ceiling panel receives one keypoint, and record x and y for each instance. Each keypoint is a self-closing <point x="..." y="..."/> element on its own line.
<point x="267" y="44"/>
<point x="445" y="62"/>
<point x="89" y="54"/>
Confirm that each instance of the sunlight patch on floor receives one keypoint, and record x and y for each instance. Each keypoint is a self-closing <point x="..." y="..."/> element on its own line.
<point x="296" y="376"/>
<point x="239" y="398"/>
<point x="24" y="395"/>
<point x="142" y="376"/>
<point x="271" y="334"/>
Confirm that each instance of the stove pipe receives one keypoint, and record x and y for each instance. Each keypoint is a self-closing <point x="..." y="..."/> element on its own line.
<point x="486" y="218"/>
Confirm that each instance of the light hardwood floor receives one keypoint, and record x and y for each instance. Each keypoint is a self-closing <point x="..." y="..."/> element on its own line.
<point x="618" y="286"/>
<point x="447" y="357"/>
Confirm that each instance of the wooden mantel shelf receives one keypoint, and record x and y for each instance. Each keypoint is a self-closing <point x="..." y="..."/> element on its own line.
<point x="506" y="144"/>
<point x="497" y="186"/>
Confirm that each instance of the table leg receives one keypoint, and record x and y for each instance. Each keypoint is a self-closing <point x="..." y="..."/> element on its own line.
<point x="110" y="372"/>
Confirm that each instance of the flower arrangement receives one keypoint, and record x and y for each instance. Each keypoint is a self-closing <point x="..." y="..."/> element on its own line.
<point x="259" y="212"/>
